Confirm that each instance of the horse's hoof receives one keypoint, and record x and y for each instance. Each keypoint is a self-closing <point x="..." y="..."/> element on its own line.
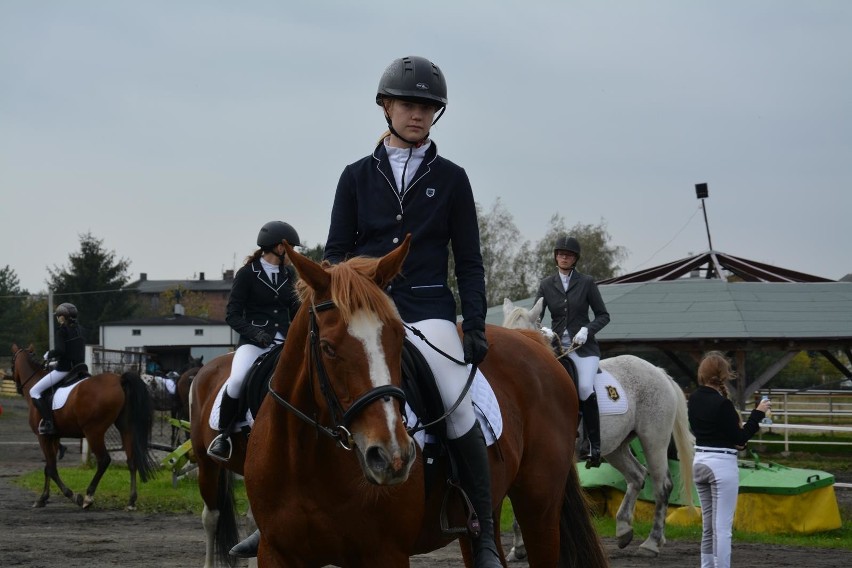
<point x="517" y="554"/>
<point x="130" y="508"/>
<point x="77" y="499"/>
<point x="39" y="504"/>
<point x="625" y="539"/>
<point x="87" y="502"/>
<point x="648" y="550"/>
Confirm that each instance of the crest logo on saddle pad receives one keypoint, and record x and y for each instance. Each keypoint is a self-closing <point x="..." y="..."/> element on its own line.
<point x="430" y="192"/>
<point x="612" y="393"/>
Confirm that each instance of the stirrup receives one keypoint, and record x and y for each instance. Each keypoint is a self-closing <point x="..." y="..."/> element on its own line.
<point x="46" y="428"/>
<point x="217" y="453"/>
<point x="593" y="459"/>
<point x="248" y="547"/>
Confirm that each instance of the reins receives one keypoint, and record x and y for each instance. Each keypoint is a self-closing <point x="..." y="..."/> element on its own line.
<point x="341" y="419"/>
<point x="418" y="333"/>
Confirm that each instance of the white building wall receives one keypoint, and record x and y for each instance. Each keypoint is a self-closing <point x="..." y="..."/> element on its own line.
<point x="122" y="337"/>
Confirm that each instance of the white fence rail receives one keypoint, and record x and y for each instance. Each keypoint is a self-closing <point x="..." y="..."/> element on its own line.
<point x="808" y="412"/>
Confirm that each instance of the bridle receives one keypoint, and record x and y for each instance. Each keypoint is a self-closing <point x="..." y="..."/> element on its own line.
<point x="20" y="387"/>
<point x="341" y="419"/>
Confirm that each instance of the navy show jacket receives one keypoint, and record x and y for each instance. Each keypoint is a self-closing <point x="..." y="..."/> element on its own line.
<point x="570" y="310"/>
<point x="370" y="218"/>
<point x="255" y="303"/>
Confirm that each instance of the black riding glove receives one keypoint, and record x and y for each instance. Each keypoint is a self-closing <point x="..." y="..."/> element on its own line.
<point x="475" y="346"/>
<point x="263" y="338"/>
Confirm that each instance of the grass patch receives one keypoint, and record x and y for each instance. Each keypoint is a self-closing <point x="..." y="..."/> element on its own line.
<point x="155" y="496"/>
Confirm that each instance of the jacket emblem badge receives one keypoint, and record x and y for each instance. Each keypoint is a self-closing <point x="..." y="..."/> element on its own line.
<point x="430" y="192"/>
<point x="612" y="393"/>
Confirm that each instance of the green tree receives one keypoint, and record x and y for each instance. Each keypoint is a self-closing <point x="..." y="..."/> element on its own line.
<point x="314" y="253"/>
<point x="93" y="281"/>
<point x="503" y="254"/>
<point x="599" y="258"/>
<point x="194" y="303"/>
<point x="12" y="309"/>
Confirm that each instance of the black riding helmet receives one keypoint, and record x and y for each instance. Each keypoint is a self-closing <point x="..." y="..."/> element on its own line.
<point x="274" y="232"/>
<point x="564" y="242"/>
<point x="66" y="309"/>
<point x="414" y="79"/>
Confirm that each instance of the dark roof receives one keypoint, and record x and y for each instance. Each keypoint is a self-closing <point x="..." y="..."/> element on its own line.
<point x="697" y="309"/>
<point x="146" y="286"/>
<point x="166" y="320"/>
<point x="715" y="264"/>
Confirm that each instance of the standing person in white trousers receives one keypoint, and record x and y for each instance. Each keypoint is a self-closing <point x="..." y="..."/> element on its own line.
<point x="719" y="434"/>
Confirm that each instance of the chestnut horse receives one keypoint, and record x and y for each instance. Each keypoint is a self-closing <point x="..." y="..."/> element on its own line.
<point x="215" y="479"/>
<point x="93" y="405"/>
<point x="337" y="387"/>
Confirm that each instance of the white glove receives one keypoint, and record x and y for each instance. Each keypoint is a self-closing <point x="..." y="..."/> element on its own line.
<point x="46" y="355"/>
<point x="581" y="336"/>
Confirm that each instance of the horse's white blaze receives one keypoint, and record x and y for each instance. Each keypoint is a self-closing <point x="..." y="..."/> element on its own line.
<point x="367" y="328"/>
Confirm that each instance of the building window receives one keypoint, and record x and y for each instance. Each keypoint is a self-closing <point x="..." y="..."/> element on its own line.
<point x="136" y="332"/>
<point x="199" y="332"/>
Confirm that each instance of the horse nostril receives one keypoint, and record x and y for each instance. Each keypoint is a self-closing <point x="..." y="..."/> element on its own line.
<point x="375" y="458"/>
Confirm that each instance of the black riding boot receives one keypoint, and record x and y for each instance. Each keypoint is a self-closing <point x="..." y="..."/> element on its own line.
<point x="220" y="448"/>
<point x="247" y="548"/>
<point x="44" y="407"/>
<point x="592" y="425"/>
<point x="471" y="456"/>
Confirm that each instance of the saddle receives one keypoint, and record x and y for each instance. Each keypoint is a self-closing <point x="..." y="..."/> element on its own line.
<point x="77" y="373"/>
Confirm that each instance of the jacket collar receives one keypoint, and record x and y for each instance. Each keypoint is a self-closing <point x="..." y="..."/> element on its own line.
<point x="380" y="156"/>
<point x="260" y="274"/>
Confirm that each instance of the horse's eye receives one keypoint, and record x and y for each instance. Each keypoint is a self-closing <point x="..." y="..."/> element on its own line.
<point x="327" y="349"/>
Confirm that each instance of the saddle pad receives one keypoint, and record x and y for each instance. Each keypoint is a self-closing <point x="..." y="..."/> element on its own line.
<point x="612" y="398"/>
<point x="60" y="397"/>
<point x="160" y="383"/>
<point x="248" y="419"/>
<point x="485" y="406"/>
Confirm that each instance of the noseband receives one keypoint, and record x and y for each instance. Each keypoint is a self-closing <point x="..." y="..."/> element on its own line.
<point x="341" y="419"/>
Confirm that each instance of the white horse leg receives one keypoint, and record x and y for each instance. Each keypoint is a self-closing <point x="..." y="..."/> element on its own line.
<point x="209" y="519"/>
<point x="658" y="467"/>
<point x="634" y="474"/>
<point x="519" y="549"/>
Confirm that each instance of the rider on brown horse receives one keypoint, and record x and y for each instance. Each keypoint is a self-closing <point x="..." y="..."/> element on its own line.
<point x="69" y="350"/>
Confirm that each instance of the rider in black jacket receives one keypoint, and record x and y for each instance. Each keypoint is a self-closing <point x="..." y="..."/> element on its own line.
<point x="262" y="303"/>
<point x="69" y="349"/>
<point x="569" y="295"/>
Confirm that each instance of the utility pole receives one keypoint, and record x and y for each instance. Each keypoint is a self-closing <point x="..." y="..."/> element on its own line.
<point x="702" y="193"/>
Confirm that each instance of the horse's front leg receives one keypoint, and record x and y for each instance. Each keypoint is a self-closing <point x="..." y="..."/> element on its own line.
<point x="634" y="474"/>
<point x="50" y="448"/>
<point x="658" y="466"/>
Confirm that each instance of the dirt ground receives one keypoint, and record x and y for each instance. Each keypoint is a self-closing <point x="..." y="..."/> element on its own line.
<point x="62" y="535"/>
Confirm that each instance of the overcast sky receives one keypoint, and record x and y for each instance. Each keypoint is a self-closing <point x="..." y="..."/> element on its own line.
<point x="173" y="130"/>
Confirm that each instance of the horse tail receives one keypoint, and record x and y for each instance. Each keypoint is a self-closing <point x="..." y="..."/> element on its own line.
<point x="227" y="533"/>
<point x="684" y="442"/>
<point x="579" y="543"/>
<point x="141" y="418"/>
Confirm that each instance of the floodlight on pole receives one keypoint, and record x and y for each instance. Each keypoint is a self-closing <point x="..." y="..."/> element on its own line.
<point x="702" y="193"/>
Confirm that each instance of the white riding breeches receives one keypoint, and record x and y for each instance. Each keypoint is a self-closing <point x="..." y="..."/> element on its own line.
<point x="244" y="357"/>
<point x="449" y="376"/>
<point x="587" y="368"/>
<point x="46" y="382"/>
<point x="717" y="479"/>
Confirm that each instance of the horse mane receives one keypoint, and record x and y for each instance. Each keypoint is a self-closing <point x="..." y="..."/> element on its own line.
<point x="353" y="288"/>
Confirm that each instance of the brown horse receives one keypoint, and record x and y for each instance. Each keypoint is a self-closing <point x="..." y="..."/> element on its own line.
<point x="215" y="479"/>
<point x="337" y="388"/>
<point x="92" y="407"/>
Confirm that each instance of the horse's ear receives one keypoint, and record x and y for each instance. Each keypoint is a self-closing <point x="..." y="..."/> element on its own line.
<point x="390" y="264"/>
<point x="508" y="306"/>
<point x="14" y="348"/>
<point x="535" y="312"/>
<point x="31" y="348"/>
<point x="312" y="273"/>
